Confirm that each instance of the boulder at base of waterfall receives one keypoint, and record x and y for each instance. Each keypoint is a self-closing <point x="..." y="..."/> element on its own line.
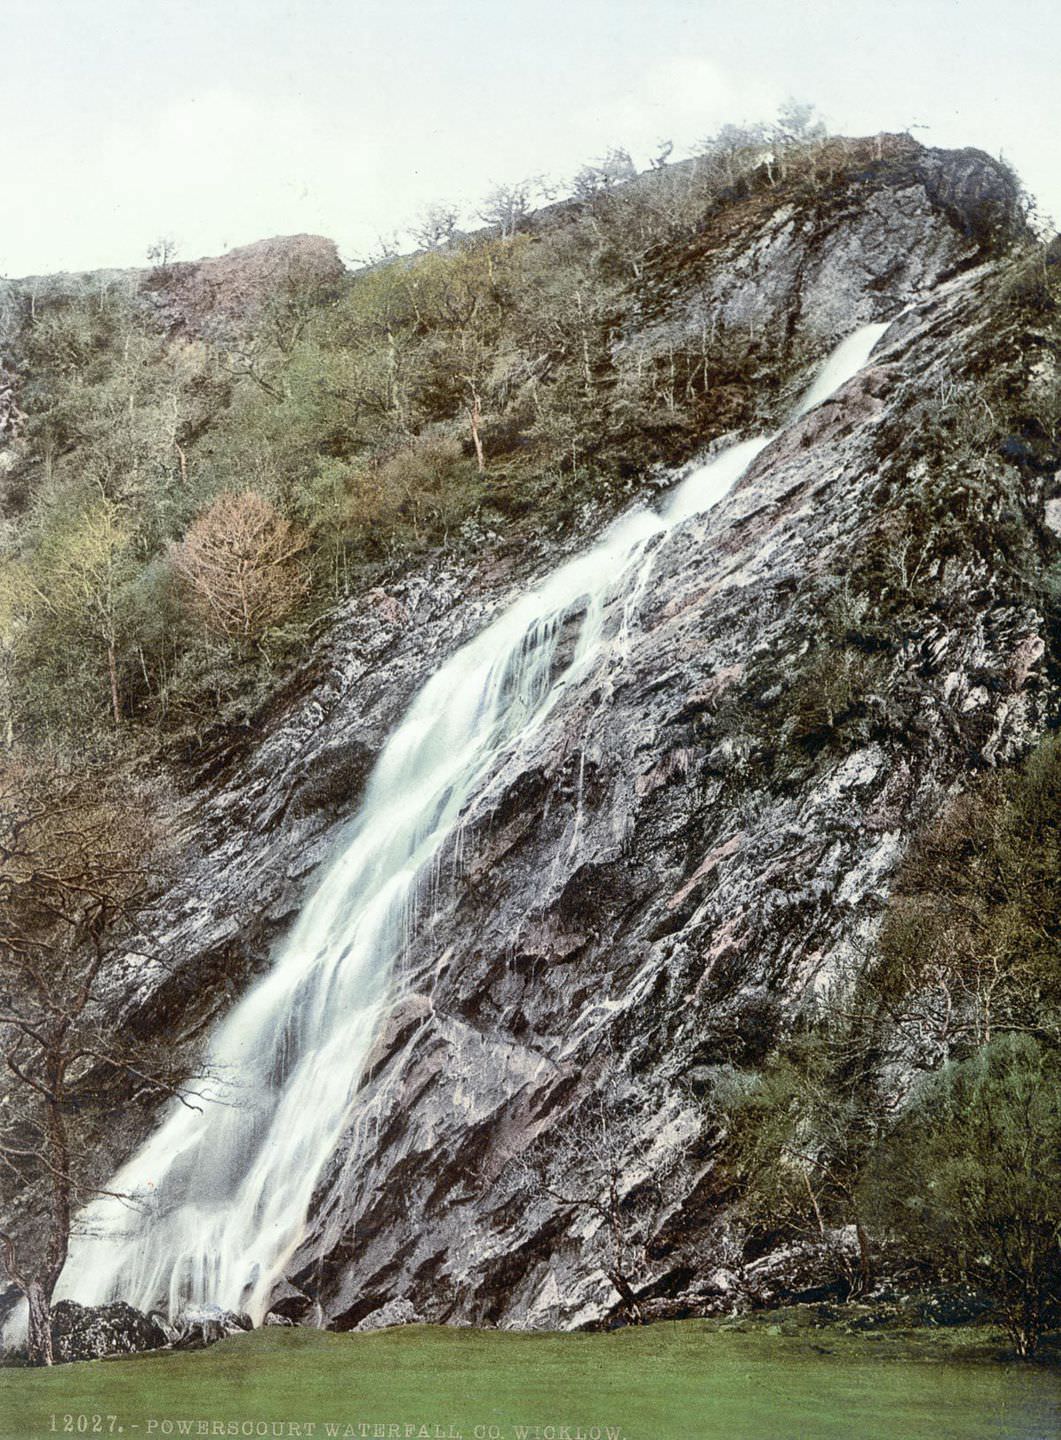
<point x="87" y="1332"/>
<point x="202" y="1325"/>
<point x="804" y="1272"/>
<point x="395" y="1312"/>
<point x="289" y="1303"/>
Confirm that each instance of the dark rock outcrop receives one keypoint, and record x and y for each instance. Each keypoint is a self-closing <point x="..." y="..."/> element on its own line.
<point x="221" y="295"/>
<point x="88" y="1332"/>
<point x="227" y="292"/>
<point x="805" y="269"/>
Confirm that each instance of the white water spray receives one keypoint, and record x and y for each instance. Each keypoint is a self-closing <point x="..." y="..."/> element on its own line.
<point x="223" y="1192"/>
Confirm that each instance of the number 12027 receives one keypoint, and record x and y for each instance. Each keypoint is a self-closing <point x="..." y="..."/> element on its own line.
<point x="86" y="1424"/>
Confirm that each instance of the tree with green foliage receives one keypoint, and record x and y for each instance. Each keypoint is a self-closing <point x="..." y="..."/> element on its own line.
<point x="968" y="948"/>
<point x="969" y="1180"/>
<point x="16" y="606"/>
<point x="795" y="1137"/>
<point x="79" y="575"/>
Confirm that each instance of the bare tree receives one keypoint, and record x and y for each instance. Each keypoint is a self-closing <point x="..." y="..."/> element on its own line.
<point x="614" y="168"/>
<point x="162" y="254"/>
<point x="732" y="151"/>
<point x="663" y="153"/>
<point x="435" y="227"/>
<point x="239" y="563"/>
<point x="506" y="206"/>
<point x="73" y="873"/>
<point x="604" y="1159"/>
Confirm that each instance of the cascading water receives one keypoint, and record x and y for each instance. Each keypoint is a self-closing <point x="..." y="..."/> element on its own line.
<point x="223" y="1191"/>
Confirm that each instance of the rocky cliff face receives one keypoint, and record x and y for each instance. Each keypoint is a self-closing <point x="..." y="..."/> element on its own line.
<point x="699" y="842"/>
<point x="666" y="879"/>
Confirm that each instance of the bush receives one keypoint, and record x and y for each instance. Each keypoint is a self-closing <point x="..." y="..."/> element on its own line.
<point x="968" y="946"/>
<point x="969" y="1181"/>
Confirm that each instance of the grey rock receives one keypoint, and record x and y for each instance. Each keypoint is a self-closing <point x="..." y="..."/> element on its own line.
<point x="200" y="1325"/>
<point x="394" y="1312"/>
<point x="645" y="878"/>
<point x="88" y="1332"/>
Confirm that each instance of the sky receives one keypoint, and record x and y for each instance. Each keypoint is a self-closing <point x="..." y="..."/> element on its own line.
<point x="219" y="122"/>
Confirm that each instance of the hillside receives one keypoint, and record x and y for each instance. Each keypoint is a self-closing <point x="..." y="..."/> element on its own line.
<point x="778" y="840"/>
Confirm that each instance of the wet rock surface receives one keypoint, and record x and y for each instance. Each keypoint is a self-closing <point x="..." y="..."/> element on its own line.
<point x="653" y="879"/>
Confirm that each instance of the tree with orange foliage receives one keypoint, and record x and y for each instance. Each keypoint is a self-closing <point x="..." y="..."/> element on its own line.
<point x="240" y="565"/>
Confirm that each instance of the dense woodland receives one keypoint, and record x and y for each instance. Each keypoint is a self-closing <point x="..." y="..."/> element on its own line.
<point x="185" y="506"/>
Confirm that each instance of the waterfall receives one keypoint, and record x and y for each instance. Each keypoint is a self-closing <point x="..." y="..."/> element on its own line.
<point x="223" y="1191"/>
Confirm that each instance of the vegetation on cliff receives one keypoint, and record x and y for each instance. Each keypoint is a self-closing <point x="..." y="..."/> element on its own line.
<point x="484" y="391"/>
<point x="913" y="1110"/>
<point x="920" y="1105"/>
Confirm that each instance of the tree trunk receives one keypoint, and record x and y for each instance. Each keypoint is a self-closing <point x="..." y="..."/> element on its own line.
<point x="475" y="413"/>
<point x="1025" y="1324"/>
<point x="865" y="1260"/>
<point x="626" y="1294"/>
<point x="39" y="1341"/>
<point x="112" y="669"/>
<point x="182" y="461"/>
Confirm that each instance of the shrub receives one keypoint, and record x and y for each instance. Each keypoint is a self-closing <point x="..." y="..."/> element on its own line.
<point x="970" y="1180"/>
<point x="968" y="946"/>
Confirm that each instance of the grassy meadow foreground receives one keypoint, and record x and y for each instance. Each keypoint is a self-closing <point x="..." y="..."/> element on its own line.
<point x="677" y="1381"/>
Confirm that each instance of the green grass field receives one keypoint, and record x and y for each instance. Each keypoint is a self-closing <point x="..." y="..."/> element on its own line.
<point x="683" y="1381"/>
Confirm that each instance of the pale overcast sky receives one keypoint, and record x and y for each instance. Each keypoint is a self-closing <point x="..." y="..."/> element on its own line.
<point x="222" y="121"/>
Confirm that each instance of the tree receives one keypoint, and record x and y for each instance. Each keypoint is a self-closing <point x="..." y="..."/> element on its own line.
<point x="162" y="253"/>
<point x="16" y="608"/>
<point x="73" y="873"/>
<point x="798" y="131"/>
<point x="614" y="168"/>
<point x="798" y="123"/>
<point x="239" y="564"/>
<point x="796" y="1136"/>
<point x="79" y="576"/>
<point x="732" y="151"/>
<point x="969" y="1180"/>
<point x="436" y="226"/>
<point x="968" y="946"/>
<point x="464" y="300"/>
<point x="507" y="206"/>
<point x="663" y="153"/>
<point x="298" y="296"/>
<point x="602" y="1159"/>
